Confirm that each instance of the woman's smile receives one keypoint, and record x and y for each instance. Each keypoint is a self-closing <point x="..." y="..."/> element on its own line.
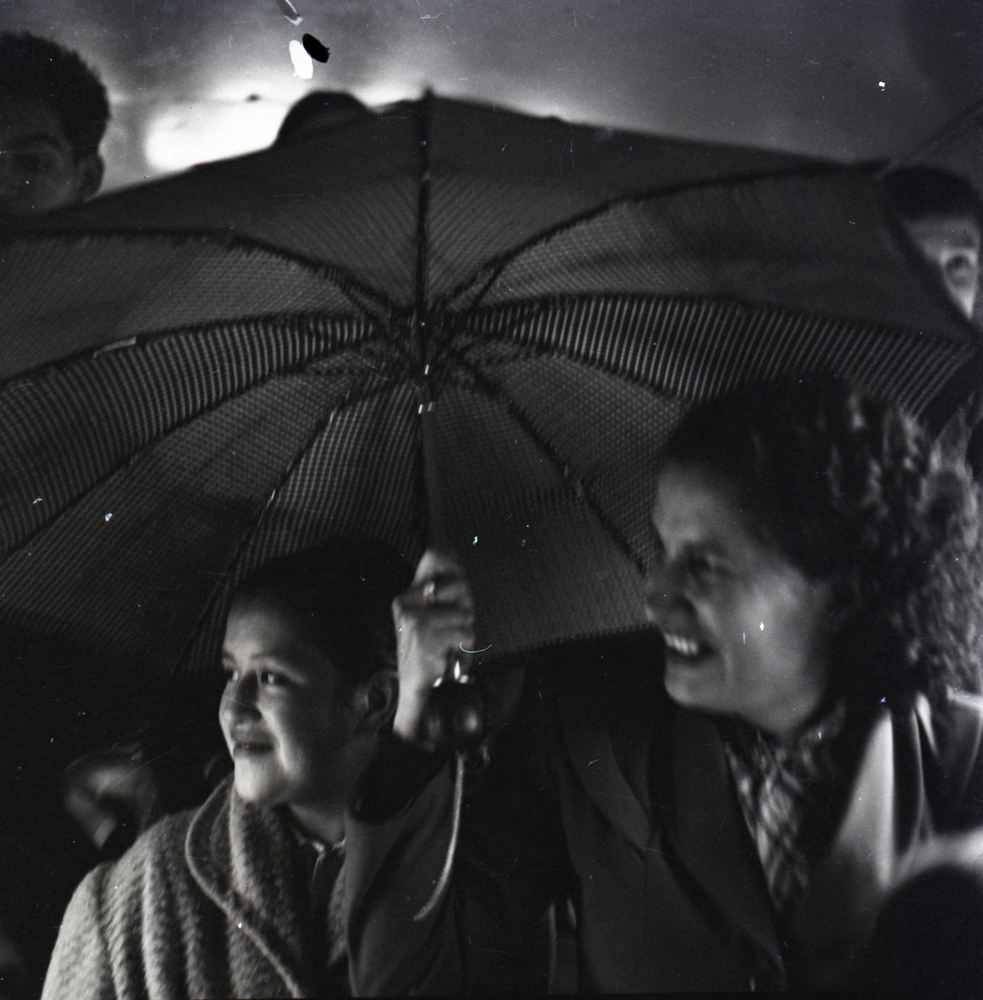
<point x="744" y="628"/>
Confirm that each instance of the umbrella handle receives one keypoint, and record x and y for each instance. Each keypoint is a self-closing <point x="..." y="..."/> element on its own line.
<point x="455" y="713"/>
<point x="445" y="873"/>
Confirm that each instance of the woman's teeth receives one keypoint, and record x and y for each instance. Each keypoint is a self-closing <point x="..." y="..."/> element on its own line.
<point x="681" y="644"/>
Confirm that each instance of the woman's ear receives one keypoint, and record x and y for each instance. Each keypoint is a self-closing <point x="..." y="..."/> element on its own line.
<point x="375" y="701"/>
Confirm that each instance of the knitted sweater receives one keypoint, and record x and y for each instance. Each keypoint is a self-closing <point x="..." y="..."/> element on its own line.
<point x="207" y="903"/>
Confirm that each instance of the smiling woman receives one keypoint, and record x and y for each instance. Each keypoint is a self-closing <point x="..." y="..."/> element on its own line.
<point x="750" y="636"/>
<point x="849" y="493"/>
<point x="744" y="817"/>
<point x="243" y="896"/>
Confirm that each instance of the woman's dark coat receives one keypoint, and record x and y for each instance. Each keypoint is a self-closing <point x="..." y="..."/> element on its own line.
<point x="637" y="817"/>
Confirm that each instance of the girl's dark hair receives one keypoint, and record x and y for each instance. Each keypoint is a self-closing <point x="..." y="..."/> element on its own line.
<point x="853" y="490"/>
<point x="343" y="592"/>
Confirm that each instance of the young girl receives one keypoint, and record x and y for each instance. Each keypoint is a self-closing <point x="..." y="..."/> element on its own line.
<point x="734" y="806"/>
<point x="242" y="897"/>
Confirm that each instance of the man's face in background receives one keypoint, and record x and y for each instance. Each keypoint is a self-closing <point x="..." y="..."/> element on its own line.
<point x="39" y="170"/>
<point x="951" y="243"/>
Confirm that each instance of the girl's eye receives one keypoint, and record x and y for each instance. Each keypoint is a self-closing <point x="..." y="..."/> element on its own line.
<point x="702" y="568"/>
<point x="270" y="678"/>
<point x="231" y="674"/>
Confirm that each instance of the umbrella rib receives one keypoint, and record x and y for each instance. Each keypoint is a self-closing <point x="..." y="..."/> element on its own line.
<point x="496" y="393"/>
<point x="151" y="336"/>
<point x="361" y="295"/>
<point x="488" y="272"/>
<point x="427" y="487"/>
<point x="928" y="146"/>
<point x="247" y="534"/>
<point x="178" y="425"/>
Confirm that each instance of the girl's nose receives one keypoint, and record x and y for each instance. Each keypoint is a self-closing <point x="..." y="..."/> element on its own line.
<point x="239" y="698"/>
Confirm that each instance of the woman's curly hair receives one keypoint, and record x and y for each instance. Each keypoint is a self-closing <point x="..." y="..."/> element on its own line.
<point x="851" y="489"/>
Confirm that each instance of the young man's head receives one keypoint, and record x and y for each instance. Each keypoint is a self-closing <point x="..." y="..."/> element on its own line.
<point x="944" y="216"/>
<point x="310" y="656"/>
<point x="53" y="115"/>
<point x="321" y="109"/>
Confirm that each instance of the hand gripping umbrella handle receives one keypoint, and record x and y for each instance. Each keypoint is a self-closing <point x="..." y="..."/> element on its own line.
<point x="455" y="714"/>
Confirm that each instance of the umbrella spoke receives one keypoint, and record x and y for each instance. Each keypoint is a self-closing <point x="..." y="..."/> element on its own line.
<point x="67" y="431"/>
<point x="697" y="348"/>
<point x="561" y="464"/>
<point x="190" y="497"/>
<point x="355" y="477"/>
<point x="206" y="371"/>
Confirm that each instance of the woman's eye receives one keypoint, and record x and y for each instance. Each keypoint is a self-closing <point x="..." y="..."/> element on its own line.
<point x="231" y="674"/>
<point x="270" y="678"/>
<point x="960" y="269"/>
<point x="33" y="163"/>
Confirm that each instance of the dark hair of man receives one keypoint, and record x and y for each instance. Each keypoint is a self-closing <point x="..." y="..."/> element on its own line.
<point x="851" y="489"/>
<point x="342" y="591"/>
<point x="920" y="192"/>
<point x="38" y="69"/>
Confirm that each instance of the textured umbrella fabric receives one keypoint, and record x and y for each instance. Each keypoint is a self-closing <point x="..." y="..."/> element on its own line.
<point x="329" y="221"/>
<point x="217" y="375"/>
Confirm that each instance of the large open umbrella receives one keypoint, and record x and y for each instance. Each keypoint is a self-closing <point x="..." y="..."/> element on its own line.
<point x="210" y="370"/>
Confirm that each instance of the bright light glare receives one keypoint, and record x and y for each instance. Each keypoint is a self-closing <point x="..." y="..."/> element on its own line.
<point x="381" y="92"/>
<point x="303" y="64"/>
<point x="182" y="135"/>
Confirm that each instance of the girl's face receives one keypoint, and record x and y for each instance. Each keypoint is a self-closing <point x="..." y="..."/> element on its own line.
<point x="286" y="714"/>
<point x="745" y="630"/>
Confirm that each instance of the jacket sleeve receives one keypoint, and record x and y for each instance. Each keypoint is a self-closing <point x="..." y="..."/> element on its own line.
<point x="492" y="930"/>
<point x="80" y="966"/>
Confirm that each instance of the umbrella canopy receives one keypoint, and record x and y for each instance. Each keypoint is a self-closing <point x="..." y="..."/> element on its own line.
<point x="211" y="370"/>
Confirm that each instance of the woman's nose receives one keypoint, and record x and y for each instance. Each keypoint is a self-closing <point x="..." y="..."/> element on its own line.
<point x="655" y="592"/>
<point x="660" y="591"/>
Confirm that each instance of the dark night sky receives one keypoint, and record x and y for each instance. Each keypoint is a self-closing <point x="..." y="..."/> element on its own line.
<point x="846" y="79"/>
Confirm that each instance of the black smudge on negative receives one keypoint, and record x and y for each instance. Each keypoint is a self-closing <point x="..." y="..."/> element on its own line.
<point x="315" y="49"/>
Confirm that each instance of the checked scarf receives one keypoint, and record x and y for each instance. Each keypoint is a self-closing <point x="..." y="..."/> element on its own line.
<point x="785" y="791"/>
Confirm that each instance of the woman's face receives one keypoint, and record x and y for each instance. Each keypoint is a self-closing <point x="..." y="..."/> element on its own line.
<point x="745" y="630"/>
<point x="287" y="716"/>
